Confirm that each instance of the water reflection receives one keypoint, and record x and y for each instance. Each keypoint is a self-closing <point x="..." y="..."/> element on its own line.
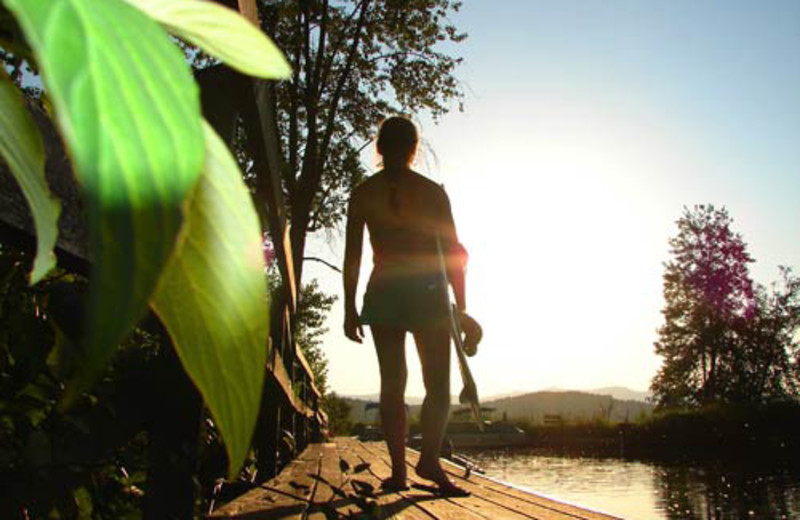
<point x="640" y="490"/>
<point x="723" y="494"/>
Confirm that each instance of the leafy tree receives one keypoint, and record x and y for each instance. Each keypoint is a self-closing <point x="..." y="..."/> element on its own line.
<point x="355" y="62"/>
<point x="723" y="339"/>
<point x="309" y="325"/>
<point x="338" y="410"/>
<point x="766" y="364"/>
<point x="706" y="287"/>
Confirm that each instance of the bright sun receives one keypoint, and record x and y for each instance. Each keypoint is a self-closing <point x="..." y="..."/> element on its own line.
<point x="560" y="270"/>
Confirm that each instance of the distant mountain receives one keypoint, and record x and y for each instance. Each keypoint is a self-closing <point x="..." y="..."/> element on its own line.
<point x="617" y="392"/>
<point x="502" y="396"/>
<point x="622" y="393"/>
<point x="570" y="405"/>
<point x="533" y="406"/>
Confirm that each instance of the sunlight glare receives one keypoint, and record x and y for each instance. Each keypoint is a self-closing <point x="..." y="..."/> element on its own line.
<point x="561" y="225"/>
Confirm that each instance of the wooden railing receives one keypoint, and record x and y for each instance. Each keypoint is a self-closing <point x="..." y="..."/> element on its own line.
<point x="291" y="414"/>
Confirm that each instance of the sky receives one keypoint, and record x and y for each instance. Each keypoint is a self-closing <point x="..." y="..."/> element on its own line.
<point x="588" y="126"/>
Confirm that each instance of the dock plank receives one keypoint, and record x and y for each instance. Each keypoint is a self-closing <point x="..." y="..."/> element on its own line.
<point x="286" y="496"/>
<point x="322" y="483"/>
<point x="434" y="505"/>
<point x="507" y="500"/>
<point x="331" y="495"/>
<point x="363" y="481"/>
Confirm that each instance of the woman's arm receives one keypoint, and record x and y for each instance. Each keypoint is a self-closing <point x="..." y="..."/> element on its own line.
<point x="455" y="254"/>
<point x="457" y="262"/>
<point x="354" y="238"/>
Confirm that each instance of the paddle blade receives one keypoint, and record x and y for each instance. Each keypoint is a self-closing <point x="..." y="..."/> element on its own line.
<point x="469" y="396"/>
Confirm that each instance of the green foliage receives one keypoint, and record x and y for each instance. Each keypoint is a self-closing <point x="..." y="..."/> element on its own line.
<point x="21" y="146"/>
<point x="761" y="432"/>
<point x="219" y="265"/>
<point x="51" y="463"/>
<point x="309" y="324"/>
<point x="765" y="433"/>
<point x="136" y="160"/>
<point x="723" y="339"/>
<point x="767" y="357"/>
<point x="128" y="111"/>
<point x="221" y="33"/>
<point x="338" y="411"/>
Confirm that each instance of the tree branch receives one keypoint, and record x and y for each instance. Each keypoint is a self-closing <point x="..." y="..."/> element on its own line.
<point x="313" y="220"/>
<point x="419" y="55"/>
<point x="329" y="64"/>
<point x="324" y="262"/>
<point x="293" y="138"/>
<point x="334" y="105"/>
<point x="323" y="33"/>
<point x="306" y="15"/>
<point x="314" y="156"/>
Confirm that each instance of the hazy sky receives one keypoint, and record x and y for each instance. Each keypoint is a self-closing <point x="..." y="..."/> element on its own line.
<point x="588" y="125"/>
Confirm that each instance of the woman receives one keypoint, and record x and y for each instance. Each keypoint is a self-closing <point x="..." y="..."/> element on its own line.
<point x="406" y="214"/>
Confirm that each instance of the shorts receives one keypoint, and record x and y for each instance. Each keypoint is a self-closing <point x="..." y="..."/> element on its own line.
<point x="408" y="302"/>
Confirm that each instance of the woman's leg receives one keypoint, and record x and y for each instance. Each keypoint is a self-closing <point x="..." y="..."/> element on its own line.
<point x="390" y="346"/>
<point x="433" y="346"/>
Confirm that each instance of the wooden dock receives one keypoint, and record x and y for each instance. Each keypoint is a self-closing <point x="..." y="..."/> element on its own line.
<point x="342" y="479"/>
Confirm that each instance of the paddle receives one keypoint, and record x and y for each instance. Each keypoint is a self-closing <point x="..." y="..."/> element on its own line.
<point x="469" y="394"/>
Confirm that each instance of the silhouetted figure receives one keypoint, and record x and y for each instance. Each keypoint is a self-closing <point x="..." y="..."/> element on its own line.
<point x="405" y="212"/>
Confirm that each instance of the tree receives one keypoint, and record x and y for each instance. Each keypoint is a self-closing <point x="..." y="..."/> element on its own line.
<point x="724" y="339"/>
<point x="309" y="325"/>
<point x="354" y="62"/>
<point x="766" y="364"/>
<point x="338" y="410"/>
<point x="706" y="287"/>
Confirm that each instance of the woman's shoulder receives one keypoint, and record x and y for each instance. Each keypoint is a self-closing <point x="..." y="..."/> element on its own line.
<point x="424" y="187"/>
<point x="430" y="191"/>
<point x="424" y="183"/>
<point x="367" y="192"/>
<point x="370" y="183"/>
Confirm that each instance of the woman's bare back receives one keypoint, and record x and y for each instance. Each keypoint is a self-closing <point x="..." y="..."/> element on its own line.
<point x="404" y="213"/>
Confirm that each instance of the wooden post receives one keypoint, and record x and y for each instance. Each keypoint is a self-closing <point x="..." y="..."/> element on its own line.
<point x="266" y="436"/>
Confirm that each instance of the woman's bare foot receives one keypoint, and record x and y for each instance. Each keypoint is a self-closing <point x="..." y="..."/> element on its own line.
<point x="394" y="484"/>
<point x="435" y="473"/>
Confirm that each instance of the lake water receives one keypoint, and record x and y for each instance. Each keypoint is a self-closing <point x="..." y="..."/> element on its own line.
<point x="645" y="491"/>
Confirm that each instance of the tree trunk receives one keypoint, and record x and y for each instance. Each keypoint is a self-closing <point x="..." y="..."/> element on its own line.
<point x="303" y="199"/>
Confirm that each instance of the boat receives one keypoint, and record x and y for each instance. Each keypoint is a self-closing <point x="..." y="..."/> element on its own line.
<point x="498" y="434"/>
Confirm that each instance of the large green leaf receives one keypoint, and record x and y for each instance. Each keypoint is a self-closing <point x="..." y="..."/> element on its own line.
<point x="129" y="112"/>
<point x="222" y="33"/>
<point x="21" y="147"/>
<point x="212" y="299"/>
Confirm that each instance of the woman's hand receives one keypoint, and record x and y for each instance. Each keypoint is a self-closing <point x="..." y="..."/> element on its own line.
<point x="352" y="328"/>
